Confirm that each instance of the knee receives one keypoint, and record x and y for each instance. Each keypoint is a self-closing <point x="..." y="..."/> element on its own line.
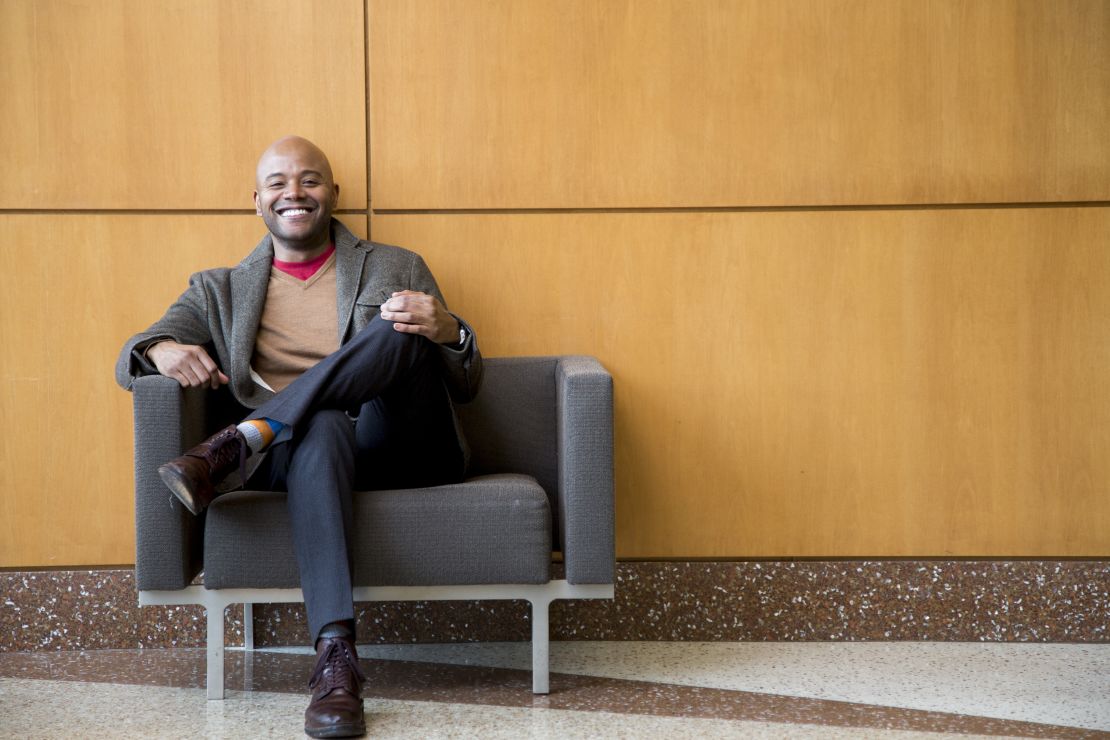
<point x="383" y="332"/>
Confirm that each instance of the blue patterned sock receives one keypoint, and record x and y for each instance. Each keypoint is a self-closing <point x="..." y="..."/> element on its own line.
<point x="259" y="433"/>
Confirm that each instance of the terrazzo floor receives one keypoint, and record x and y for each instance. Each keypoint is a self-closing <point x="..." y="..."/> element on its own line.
<point x="599" y="689"/>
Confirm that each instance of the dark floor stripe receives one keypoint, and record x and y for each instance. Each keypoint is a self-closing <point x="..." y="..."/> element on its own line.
<point x="413" y="681"/>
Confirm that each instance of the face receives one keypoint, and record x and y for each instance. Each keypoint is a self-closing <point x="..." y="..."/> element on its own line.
<point x="295" y="194"/>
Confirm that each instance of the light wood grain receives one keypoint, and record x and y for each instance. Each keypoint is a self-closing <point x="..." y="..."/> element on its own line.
<point x="829" y="384"/>
<point x="167" y="105"/>
<point x="72" y="291"/>
<point x="658" y="103"/>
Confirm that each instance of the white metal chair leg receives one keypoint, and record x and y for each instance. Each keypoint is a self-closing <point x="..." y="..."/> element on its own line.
<point x="541" y="636"/>
<point x="248" y="626"/>
<point x="215" y="601"/>
<point x="215" y="650"/>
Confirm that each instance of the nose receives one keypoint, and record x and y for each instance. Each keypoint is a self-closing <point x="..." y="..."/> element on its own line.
<point x="293" y="190"/>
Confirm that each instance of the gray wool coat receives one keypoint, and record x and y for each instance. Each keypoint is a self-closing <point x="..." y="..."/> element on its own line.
<point x="222" y="307"/>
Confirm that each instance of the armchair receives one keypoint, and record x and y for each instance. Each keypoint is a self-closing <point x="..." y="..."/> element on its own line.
<point x="541" y="479"/>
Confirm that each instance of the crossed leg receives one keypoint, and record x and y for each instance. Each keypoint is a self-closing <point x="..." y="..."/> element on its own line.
<point x="404" y="436"/>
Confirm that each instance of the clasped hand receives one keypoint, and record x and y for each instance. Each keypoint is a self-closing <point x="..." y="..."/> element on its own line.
<point x="188" y="364"/>
<point x="420" y="313"/>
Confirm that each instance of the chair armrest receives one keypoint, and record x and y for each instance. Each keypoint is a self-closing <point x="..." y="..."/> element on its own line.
<point x="168" y="420"/>
<point x="584" y="425"/>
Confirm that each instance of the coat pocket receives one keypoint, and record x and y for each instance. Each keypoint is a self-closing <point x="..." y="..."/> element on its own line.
<point x="363" y="314"/>
<point x="369" y="304"/>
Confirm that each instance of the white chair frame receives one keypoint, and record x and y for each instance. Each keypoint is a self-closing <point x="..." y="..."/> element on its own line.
<point x="215" y="601"/>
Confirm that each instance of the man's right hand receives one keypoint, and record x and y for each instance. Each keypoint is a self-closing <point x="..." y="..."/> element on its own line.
<point x="188" y="364"/>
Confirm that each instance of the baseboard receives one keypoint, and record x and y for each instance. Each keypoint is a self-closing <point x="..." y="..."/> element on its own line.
<point x="898" y="600"/>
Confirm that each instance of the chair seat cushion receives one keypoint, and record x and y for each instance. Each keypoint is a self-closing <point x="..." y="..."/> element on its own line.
<point x="490" y="529"/>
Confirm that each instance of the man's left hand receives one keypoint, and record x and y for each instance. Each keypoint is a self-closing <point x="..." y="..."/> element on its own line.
<point x="420" y="313"/>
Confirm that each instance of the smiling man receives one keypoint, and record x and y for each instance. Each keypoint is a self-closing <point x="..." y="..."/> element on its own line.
<point x="346" y="362"/>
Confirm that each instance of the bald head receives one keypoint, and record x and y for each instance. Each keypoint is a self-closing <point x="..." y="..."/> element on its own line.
<point x="295" y="195"/>
<point x="292" y="147"/>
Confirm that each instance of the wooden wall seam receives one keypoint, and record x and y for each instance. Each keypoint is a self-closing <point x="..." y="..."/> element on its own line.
<point x="743" y="209"/>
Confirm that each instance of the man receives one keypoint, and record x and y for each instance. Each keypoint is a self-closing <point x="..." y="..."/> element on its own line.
<point x="349" y="359"/>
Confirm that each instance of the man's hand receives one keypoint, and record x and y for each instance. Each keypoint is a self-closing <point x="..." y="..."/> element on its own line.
<point x="420" y="313"/>
<point x="188" y="364"/>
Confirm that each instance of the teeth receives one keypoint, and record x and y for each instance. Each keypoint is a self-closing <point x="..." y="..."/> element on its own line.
<point x="294" y="212"/>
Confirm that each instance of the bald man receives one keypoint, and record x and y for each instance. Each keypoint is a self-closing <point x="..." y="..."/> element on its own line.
<point x="346" y="360"/>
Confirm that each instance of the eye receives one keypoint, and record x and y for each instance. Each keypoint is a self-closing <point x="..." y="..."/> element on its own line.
<point x="276" y="184"/>
<point x="310" y="183"/>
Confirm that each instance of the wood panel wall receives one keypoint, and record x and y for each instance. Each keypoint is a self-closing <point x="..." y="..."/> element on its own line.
<point x="131" y="131"/>
<point x="815" y="384"/>
<point x="664" y="103"/>
<point x="760" y="216"/>
<point x="160" y="104"/>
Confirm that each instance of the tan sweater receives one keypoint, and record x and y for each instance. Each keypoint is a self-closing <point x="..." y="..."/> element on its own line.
<point x="298" y="327"/>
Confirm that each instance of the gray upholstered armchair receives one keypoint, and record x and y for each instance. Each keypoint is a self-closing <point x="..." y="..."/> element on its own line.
<point x="540" y="433"/>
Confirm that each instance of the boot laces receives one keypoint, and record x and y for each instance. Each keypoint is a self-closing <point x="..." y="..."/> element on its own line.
<point x="337" y="668"/>
<point x="227" y="448"/>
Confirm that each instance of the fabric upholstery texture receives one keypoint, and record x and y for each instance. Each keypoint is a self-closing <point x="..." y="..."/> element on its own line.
<point x="584" y="402"/>
<point x="510" y="427"/>
<point x="167" y="537"/>
<point x="487" y="530"/>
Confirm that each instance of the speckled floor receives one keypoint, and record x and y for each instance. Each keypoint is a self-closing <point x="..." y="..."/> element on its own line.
<point x="599" y="689"/>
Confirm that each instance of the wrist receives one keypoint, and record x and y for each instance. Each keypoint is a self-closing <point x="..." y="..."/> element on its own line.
<point x="456" y="335"/>
<point x="152" y="348"/>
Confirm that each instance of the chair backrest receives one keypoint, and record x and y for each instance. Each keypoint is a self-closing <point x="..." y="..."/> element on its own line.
<point x="511" y="425"/>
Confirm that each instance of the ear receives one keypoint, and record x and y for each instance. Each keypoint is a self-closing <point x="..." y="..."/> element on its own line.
<point x="257" y="204"/>
<point x="335" y="195"/>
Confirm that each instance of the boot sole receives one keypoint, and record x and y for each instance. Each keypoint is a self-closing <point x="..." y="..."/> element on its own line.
<point x="351" y="730"/>
<point x="177" y="484"/>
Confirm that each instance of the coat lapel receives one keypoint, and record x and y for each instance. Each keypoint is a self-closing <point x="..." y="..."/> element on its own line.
<point x="249" y="283"/>
<point x="350" y="256"/>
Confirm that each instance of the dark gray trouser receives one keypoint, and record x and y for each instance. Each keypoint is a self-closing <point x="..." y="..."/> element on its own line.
<point x="404" y="437"/>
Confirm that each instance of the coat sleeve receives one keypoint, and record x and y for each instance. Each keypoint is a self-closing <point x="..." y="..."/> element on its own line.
<point x="462" y="363"/>
<point x="186" y="321"/>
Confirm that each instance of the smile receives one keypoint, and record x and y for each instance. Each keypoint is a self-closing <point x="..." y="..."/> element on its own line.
<point x="294" y="212"/>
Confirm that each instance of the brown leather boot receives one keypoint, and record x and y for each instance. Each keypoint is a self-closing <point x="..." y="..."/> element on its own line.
<point x="193" y="476"/>
<point x="336" y="707"/>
